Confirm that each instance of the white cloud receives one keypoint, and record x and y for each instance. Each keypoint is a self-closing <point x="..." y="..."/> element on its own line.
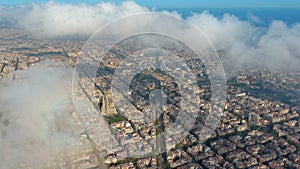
<point x="35" y="123"/>
<point x="276" y="45"/>
<point x="53" y="19"/>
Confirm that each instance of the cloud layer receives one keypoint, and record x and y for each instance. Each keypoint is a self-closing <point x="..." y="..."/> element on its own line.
<point x="35" y="120"/>
<point x="54" y="20"/>
<point x="276" y="46"/>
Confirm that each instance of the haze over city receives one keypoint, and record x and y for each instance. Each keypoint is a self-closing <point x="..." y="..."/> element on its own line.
<point x="79" y="84"/>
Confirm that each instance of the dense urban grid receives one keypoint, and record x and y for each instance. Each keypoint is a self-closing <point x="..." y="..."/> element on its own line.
<point x="259" y="128"/>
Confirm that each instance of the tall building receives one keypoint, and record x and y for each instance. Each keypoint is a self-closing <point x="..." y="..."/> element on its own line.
<point x="108" y="107"/>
